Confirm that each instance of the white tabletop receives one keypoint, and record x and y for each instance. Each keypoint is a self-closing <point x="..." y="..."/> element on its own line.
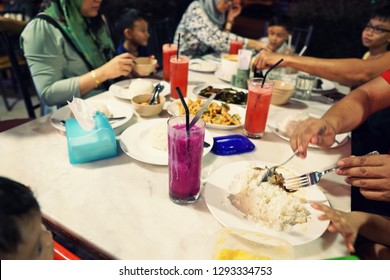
<point x="122" y="206"/>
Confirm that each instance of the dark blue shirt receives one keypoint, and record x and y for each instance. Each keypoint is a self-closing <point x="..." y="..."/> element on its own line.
<point x="142" y="51"/>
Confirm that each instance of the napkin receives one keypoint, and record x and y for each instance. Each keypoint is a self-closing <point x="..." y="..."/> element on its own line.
<point x="244" y="59"/>
<point x="83" y="113"/>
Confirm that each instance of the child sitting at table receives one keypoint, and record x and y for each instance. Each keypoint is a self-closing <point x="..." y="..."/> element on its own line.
<point x="132" y="28"/>
<point x="376" y="33"/>
<point x="22" y="234"/>
<point x="279" y="32"/>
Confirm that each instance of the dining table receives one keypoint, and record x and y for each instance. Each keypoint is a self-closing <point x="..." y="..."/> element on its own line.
<point x="120" y="206"/>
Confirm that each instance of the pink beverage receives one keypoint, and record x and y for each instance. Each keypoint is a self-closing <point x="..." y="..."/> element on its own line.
<point x="257" y="107"/>
<point x="168" y="51"/>
<point x="235" y="46"/>
<point x="185" y="153"/>
<point x="179" y="75"/>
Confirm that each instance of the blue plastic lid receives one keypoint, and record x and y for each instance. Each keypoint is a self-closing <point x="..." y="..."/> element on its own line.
<point x="232" y="145"/>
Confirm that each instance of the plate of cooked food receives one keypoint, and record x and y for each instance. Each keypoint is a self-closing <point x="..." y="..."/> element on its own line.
<point x="147" y="141"/>
<point x="284" y="123"/>
<point x="228" y="94"/>
<point x="218" y="115"/>
<point x="236" y="198"/>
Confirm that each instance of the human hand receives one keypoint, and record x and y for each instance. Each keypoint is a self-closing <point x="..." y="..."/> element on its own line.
<point x="370" y="173"/>
<point x="234" y="10"/>
<point x="266" y="58"/>
<point x="312" y="131"/>
<point x="121" y="65"/>
<point x="340" y="221"/>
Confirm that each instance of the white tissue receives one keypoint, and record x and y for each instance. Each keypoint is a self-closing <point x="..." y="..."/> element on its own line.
<point x="83" y="113"/>
<point x="244" y="59"/>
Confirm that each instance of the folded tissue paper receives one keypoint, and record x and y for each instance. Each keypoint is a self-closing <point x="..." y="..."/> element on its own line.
<point x="242" y="75"/>
<point x="90" y="135"/>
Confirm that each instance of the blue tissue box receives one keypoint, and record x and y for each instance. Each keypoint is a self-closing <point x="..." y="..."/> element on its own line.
<point x="95" y="144"/>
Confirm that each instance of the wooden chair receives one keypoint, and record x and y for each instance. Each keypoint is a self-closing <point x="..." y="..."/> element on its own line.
<point x="10" y="31"/>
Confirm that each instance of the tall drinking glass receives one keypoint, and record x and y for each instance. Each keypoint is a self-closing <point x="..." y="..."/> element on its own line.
<point x="257" y="107"/>
<point x="179" y="75"/>
<point x="168" y="50"/>
<point x="185" y="151"/>
<point x="235" y="46"/>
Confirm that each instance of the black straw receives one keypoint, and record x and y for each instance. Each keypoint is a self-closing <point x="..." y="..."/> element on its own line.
<point x="269" y="70"/>
<point x="178" y="48"/>
<point x="183" y="102"/>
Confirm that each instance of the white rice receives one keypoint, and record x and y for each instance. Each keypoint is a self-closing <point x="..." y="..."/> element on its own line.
<point x="268" y="205"/>
<point x="158" y="137"/>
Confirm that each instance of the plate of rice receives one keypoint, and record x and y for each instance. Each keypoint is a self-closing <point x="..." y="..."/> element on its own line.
<point x="236" y="199"/>
<point x="147" y="141"/>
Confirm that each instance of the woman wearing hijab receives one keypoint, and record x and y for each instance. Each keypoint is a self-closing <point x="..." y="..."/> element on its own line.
<point x="70" y="53"/>
<point x="205" y="27"/>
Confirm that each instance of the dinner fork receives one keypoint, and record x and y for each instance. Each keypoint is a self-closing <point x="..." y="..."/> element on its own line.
<point x="271" y="170"/>
<point x="307" y="179"/>
<point x="310" y="178"/>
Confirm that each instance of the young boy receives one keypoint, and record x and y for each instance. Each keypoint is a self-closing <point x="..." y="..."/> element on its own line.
<point x="279" y="30"/>
<point x="376" y="34"/>
<point x="22" y="234"/>
<point x="132" y="28"/>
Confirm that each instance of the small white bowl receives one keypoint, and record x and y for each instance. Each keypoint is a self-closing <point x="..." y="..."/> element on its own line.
<point x="142" y="107"/>
<point x="145" y="66"/>
<point x="281" y="92"/>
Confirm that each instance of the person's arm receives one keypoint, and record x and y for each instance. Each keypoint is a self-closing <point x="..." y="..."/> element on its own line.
<point x="346" y="71"/>
<point x="58" y="72"/>
<point x="350" y="224"/>
<point x="345" y="115"/>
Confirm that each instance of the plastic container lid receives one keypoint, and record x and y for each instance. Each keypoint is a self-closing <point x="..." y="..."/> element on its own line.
<point x="232" y="145"/>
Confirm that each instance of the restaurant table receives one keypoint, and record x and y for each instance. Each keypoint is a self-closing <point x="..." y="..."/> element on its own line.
<point x="121" y="207"/>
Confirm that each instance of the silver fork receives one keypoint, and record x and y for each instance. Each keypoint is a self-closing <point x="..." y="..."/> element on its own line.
<point x="271" y="170"/>
<point x="311" y="178"/>
<point x="307" y="179"/>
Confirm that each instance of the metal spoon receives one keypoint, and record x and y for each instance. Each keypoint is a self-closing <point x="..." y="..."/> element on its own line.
<point x="201" y="111"/>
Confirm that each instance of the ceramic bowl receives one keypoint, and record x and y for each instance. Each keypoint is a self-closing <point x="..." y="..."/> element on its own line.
<point x="142" y="107"/>
<point x="145" y="66"/>
<point x="282" y="92"/>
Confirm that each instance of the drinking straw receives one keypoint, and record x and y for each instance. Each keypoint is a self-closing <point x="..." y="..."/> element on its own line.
<point x="178" y="47"/>
<point x="183" y="102"/>
<point x="269" y="70"/>
<point x="302" y="51"/>
<point x="289" y="41"/>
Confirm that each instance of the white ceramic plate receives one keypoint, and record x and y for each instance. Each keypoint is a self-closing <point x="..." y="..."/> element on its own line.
<point x="173" y="109"/>
<point x="276" y="123"/>
<point x="121" y="89"/>
<point x="199" y="65"/>
<point x="222" y="76"/>
<point x="135" y="141"/>
<point x="216" y="196"/>
<point x="325" y="86"/>
<point x="200" y="87"/>
<point x="116" y="108"/>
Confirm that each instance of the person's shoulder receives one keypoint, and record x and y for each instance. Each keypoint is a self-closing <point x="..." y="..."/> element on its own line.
<point x="39" y="25"/>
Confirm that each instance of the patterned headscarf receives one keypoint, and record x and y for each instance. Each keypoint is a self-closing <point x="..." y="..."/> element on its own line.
<point x="96" y="46"/>
<point x="211" y="10"/>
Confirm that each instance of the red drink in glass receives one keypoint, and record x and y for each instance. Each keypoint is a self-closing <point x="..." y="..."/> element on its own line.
<point x="235" y="46"/>
<point x="179" y="75"/>
<point x="257" y="107"/>
<point x="168" y="51"/>
<point x="185" y="151"/>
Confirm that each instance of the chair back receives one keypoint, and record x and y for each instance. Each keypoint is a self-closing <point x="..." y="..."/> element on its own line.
<point x="161" y="32"/>
<point x="10" y="31"/>
<point x="301" y="37"/>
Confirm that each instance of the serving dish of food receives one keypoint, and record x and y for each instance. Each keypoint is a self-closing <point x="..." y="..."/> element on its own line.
<point x="218" y="115"/>
<point x="223" y="93"/>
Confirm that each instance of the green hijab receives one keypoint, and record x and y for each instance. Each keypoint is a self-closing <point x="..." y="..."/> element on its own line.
<point x="96" y="46"/>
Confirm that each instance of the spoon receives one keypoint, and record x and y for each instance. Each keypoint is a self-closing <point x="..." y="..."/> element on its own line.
<point x="201" y="111"/>
<point x="158" y="88"/>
